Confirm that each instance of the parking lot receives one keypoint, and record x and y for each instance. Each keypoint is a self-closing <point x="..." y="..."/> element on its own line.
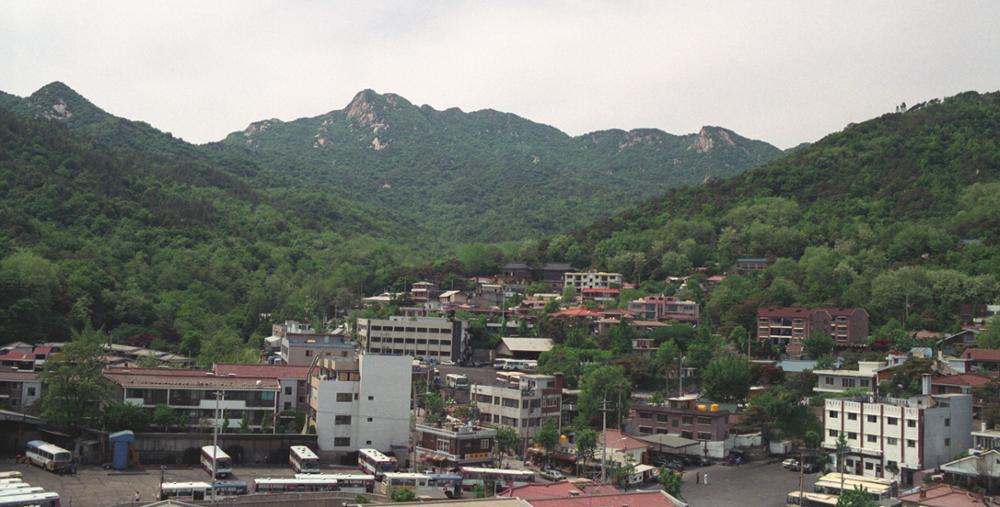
<point x="94" y="486"/>
<point x="755" y="483"/>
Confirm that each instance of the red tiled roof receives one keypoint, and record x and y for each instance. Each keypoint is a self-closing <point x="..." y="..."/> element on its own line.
<point x="982" y="354"/>
<point x="578" y="312"/>
<point x="775" y="311"/>
<point x="945" y="495"/>
<point x="17" y="356"/>
<point x="193" y="379"/>
<point x="556" y="490"/>
<point x="42" y="349"/>
<point x="632" y="499"/>
<point x="618" y="440"/>
<point x="262" y="370"/>
<point x="964" y="379"/>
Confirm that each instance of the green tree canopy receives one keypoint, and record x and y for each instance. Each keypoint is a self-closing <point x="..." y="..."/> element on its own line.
<point x="727" y="378"/>
<point x="75" y="388"/>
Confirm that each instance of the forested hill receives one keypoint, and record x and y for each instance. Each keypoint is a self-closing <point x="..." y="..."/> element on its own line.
<point x="487" y="175"/>
<point x="91" y="234"/>
<point x="899" y="214"/>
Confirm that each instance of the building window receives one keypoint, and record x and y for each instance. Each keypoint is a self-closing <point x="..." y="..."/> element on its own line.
<point x="852" y="416"/>
<point x="344" y="397"/>
<point x="342" y="441"/>
<point x="833" y="433"/>
<point x="704" y="436"/>
<point x="369" y="419"/>
<point x="674" y="422"/>
<point x="869" y="466"/>
<point x="891" y="441"/>
<point x="833" y="414"/>
<point x="871" y="418"/>
<point x="911" y="424"/>
<point x="947" y="442"/>
<point x="687" y="434"/>
<point x="443" y="445"/>
<point x="911" y="443"/>
<point x="368" y="442"/>
<point x="829" y="380"/>
<point x="871" y="438"/>
<point x="645" y="415"/>
<point x="704" y="420"/>
<point x="31" y="391"/>
<point x="687" y="420"/>
<point x="484" y="444"/>
<point x="288" y="391"/>
<point x="308" y="352"/>
<point x="645" y="430"/>
<point x="852" y="435"/>
<point x="340" y="420"/>
<point x="947" y="422"/>
<point x="892" y="421"/>
<point x="371" y="398"/>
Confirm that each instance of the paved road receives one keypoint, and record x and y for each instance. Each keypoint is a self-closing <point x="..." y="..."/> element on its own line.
<point x="756" y="483"/>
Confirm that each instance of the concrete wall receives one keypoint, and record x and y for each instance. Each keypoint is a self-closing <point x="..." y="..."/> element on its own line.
<point x="245" y="449"/>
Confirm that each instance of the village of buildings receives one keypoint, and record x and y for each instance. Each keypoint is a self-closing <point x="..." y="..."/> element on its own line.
<point x="356" y="387"/>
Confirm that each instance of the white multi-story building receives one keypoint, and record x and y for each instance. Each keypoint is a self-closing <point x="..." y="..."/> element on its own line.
<point x="889" y="437"/>
<point x="835" y="381"/>
<point x="427" y="337"/>
<point x="364" y="403"/>
<point x="593" y="280"/>
<point x="523" y="402"/>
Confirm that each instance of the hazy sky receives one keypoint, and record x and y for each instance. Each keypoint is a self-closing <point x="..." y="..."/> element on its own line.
<point x="784" y="72"/>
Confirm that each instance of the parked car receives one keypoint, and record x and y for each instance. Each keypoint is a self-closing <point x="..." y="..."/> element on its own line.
<point x="790" y="464"/>
<point x="697" y="461"/>
<point x="552" y="475"/>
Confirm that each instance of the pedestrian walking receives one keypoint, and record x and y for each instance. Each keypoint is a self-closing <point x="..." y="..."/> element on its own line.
<point x="137" y="498"/>
<point x="697" y="478"/>
<point x="706" y="479"/>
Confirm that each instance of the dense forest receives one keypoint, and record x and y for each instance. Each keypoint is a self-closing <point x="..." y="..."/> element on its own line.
<point x="898" y="215"/>
<point x="110" y="223"/>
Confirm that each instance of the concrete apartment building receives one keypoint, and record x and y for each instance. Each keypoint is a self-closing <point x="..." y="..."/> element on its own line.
<point x="883" y="434"/>
<point x="455" y="444"/>
<point x="662" y="308"/>
<point x="593" y="280"/>
<point x="867" y="377"/>
<point x="291" y="380"/>
<point x="300" y="344"/>
<point x="523" y="402"/>
<point x="361" y="403"/>
<point x="705" y="425"/>
<point x="19" y="389"/>
<point x="790" y="326"/>
<point x="428" y="337"/>
<point x="193" y="393"/>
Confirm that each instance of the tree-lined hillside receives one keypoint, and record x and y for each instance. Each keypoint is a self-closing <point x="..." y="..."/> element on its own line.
<point x="898" y="214"/>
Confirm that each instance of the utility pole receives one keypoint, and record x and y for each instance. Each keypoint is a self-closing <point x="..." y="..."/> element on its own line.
<point x="802" y="468"/>
<point x="604" y="436"/>
<point x="215" y="442"/>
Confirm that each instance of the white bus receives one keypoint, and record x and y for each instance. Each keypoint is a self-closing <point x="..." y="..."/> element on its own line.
<point x="526" y="365"/>
<point x="46" y="499"/>
<point x="268" y="485"/>
<point x="809" y="499"/>
<point x="478" y="476"/>
<point x="456" y="381"/>
<point x="351" y="483"/>
<point x="23" y="489"/>
<point x="878" y="489"/>
<point x="375" y="463"/>
<point x="230" y="488"/>
<point x="422" y="484"/>
<point x="190" y="491"/>
<point x="223" y="464"/>
<point x="303" y="459"/>
<point x="10" y="475"/>
<point x="14" y="482"/>
<point x="50" y="457"/>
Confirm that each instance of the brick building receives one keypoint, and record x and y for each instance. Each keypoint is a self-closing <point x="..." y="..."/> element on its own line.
<point x="790" y="326"/>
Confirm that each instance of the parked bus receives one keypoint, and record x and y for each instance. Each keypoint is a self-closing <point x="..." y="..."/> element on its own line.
<point x="22" y="489"/>
<point x="13" y="482"/>
<point x="223" y="464"/>
<point x="269" y="485"/>
<point x="303" y="460"/>
<point x="352" y="483"/>
<point x="810" y="499"/>
<point x="878" y="489"/>
<point x="190" y="491"/>
<point x="230" y="488"/>
<point x="526" y="365"/>
<point x="46" y="499"/>
<point x="50" y="457"/>
<point x="13" y="474"/>
<point x="422" y="484"/>
<point x="477" y="476"/>
<point x="456" y="381"/>
<point x="376" y="463"/>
